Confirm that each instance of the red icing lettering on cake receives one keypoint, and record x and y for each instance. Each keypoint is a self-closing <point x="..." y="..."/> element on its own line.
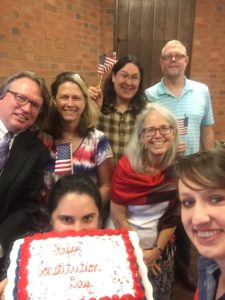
<point x="65" y="250"/>
<point x="78" y="268"/>
<point x="64" y="269"/>
<point x="78" y="284"/>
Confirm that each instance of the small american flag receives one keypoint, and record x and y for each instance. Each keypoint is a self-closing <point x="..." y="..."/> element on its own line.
<point x="105" y="64"/>
<point x="101" y="66"/>
<point x="109" y="63"/>
<point x="182" y="125"/>
<point x="63" y="163"/>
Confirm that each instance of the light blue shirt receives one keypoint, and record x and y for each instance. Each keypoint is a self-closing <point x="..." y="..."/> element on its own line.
<point x="192" y="109"/>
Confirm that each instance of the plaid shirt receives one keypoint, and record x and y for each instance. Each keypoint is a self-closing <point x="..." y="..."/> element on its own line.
<point x="117" y="127"/>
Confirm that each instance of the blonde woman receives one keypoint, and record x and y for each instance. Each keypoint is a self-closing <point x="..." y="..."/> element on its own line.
<point x="71" y="124"/>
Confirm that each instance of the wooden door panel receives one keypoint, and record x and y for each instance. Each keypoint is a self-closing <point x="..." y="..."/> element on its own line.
<point x="144" y="26"/>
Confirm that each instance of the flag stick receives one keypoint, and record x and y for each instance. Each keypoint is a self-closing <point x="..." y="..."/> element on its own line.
<point x="100" y="80"/>
<point x="71" y="154"/>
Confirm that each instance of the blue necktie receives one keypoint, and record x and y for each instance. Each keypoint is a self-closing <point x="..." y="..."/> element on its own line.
<point x="4" y="149"/>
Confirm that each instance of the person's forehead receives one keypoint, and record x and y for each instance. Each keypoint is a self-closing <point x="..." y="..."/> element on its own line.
<point x="25" y="82"/>
<point x="71" y="88"/>
<point x="130" y="67"/>
<point x="28" y="87"/>
<point x="155" y="117"/>
<point x="174" y="48"/>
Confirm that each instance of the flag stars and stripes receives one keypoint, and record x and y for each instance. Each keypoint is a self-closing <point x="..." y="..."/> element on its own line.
<point x="63" y="163"/>
<point x="105" y="64"/>
<point x="182" y="125"/>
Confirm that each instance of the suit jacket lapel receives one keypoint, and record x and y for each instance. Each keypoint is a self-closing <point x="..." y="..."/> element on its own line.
<point x="19" y="154"/>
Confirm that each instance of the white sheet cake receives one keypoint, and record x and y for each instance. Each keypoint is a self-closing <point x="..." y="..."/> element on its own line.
<point x="86" y="265"/>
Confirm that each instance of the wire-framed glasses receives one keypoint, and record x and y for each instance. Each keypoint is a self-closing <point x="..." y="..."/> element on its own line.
<point x="169" y="57"/>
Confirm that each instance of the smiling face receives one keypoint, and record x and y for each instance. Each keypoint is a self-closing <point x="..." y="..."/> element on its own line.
<point x="18" y="117"/>
<point x="157" y="144"/>
<point x="70" y="102"/>
<point x="126" y="82"/>
<point x="174" y="61"/>
<point x="75" y="212"/>
<point x="202" y="213"/>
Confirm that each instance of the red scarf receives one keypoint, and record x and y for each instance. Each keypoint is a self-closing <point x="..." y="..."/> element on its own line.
<point x="132" y="188"/>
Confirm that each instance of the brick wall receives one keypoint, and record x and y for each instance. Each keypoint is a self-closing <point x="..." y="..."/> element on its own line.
<point x="51" y="36"/>
<point x="208" y="56"/>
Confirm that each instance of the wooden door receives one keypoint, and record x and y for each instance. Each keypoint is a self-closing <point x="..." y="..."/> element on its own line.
<point x="144" y="26"/>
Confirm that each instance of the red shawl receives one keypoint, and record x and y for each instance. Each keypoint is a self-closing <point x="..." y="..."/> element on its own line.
<point x="132" y="188"/>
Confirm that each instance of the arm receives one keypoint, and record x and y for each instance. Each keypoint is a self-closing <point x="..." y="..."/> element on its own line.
<point x="2" y="288"/>
<point x="151" y="255"/>
<point x="104" y="173"/>
<point x="207" y="138"/>
<point x="118" y="215"/>
<point x="164" y="237"/>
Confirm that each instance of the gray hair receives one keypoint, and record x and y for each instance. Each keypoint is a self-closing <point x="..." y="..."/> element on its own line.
<point x="136" y="149"/>
<point x="43" y="91"/>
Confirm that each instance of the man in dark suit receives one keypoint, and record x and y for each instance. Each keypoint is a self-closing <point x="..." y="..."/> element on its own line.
<point x="23" y="104"/>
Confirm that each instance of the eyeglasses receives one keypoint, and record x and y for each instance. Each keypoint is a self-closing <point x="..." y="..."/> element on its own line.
<point x="133" y="78"/>
<point x="151" y="131"/>
<point x="169" y="57"/>
<point x="23" y="100"/>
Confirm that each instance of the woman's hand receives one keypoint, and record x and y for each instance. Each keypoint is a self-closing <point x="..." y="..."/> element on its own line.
<point x="2" y="288"/>
<point x="181" y="148"/>
<point x="150" y="258"/>
<point x="96" y="96"/>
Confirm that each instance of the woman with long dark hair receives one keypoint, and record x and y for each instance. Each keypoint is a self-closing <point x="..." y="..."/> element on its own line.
<point x="123" y="100"/>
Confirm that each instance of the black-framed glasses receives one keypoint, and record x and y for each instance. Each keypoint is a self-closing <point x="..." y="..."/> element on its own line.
<point x="151" y="131"/>
<point x="23" y="100"/>
<point x="169" y="57"/>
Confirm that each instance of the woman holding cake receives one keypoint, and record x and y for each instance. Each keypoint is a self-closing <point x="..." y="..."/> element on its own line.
<point x="74" y="204"/>
<point x="73" y="139"/>
<point x="144" y="194"/>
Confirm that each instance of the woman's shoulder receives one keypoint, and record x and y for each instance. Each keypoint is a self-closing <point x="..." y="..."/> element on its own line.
<point x="96" y="133"/>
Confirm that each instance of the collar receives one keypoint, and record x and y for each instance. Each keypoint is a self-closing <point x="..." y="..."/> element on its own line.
<point x="164" y="91"/>
<point x="3" y="129"/>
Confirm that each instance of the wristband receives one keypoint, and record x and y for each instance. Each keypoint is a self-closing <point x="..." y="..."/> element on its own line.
<point x="159" y="248"/>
